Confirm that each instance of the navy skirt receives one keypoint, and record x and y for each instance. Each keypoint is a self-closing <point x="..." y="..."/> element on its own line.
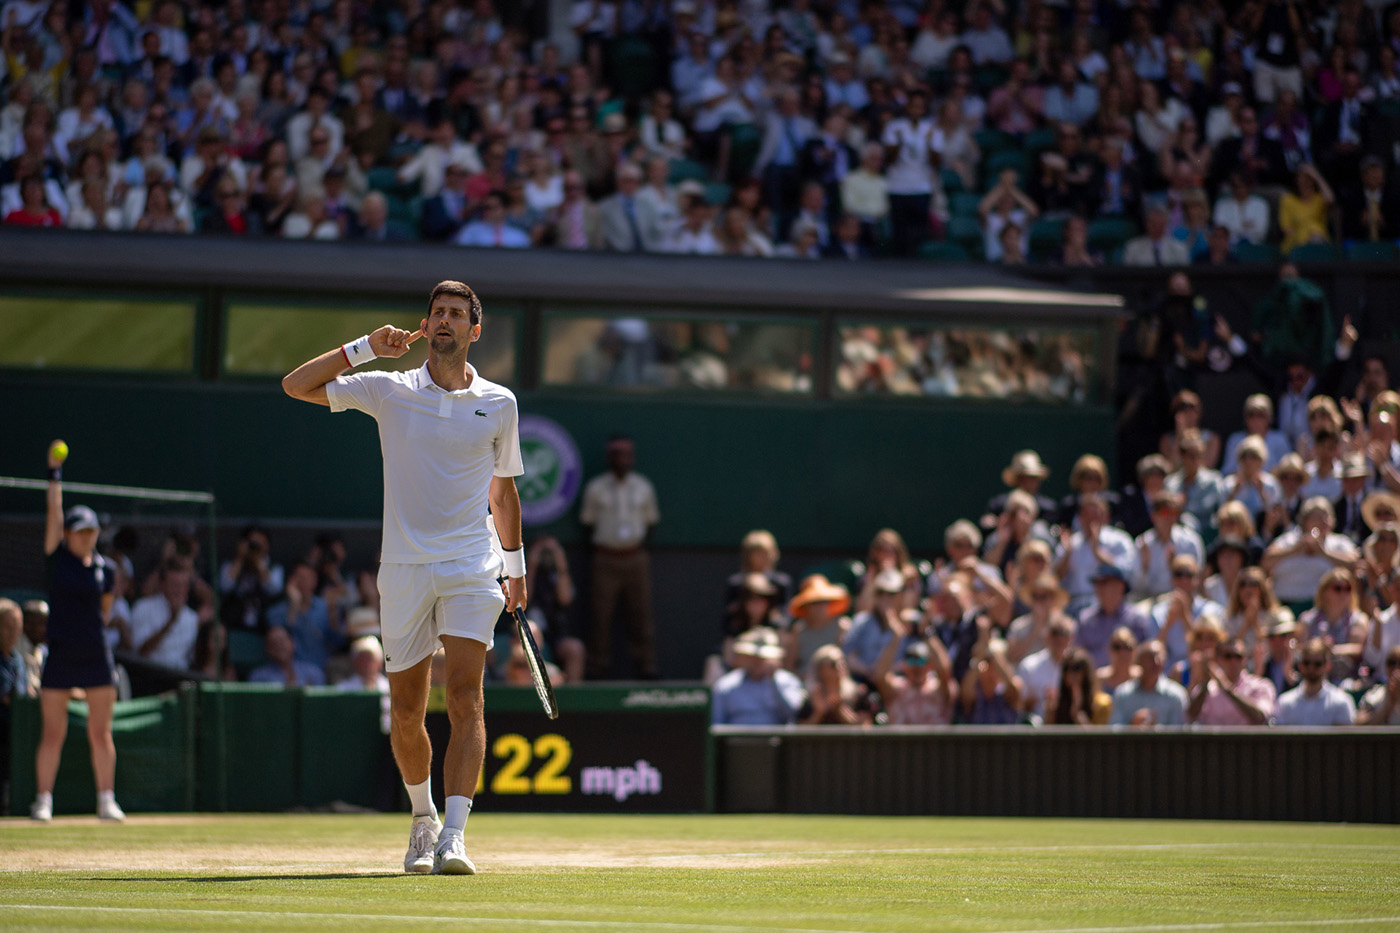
<point x="71" y="665"/>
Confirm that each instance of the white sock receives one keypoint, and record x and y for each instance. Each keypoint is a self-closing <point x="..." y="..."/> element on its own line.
<point x="44" y="799"/>
<point x="458" y="809"/>
<point x="106" y="796"/>
<point x="421" y="796"/>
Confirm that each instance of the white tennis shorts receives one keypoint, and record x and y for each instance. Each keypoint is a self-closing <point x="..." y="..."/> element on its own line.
<point x="419" y="603"/>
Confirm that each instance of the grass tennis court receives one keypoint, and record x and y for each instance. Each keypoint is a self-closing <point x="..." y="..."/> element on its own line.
<point x="700" y="873"/>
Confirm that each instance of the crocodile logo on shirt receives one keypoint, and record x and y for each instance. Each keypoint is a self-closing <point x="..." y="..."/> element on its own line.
<point x="481" y="413"/>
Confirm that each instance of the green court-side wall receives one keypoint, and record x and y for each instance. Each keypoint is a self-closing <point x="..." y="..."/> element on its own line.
<point x="821" y="474"/>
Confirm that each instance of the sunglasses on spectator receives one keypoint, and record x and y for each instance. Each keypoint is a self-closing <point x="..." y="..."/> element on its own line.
<point x="1043" y="595"/>
<point x="1183" y="573"/>
<point x="1232" y="655"/>
<point x="1311" y="662"/>
<point x="1392" y="662"/>
<point x="1059" y="633"/>
<point x="1119" y="646"/>
<point x="1340" y="587"/>
<point x="1252" y="583"/>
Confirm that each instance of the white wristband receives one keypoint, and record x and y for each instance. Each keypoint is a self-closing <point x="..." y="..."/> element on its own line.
<point x="515" y="563"/>
<point x="358" y="352"/>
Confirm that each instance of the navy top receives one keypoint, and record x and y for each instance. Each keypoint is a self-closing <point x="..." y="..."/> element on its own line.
<point x="76" y="632"/>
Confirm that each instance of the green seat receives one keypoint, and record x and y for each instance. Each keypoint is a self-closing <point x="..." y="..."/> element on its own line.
<point x="687" y="170"/>
<point x="245" y="650"/>
<point x="943" y="251"/>
<point x="387" y="180"/>
<point x="717" y="192"/>
<point x="402" y="231"/>
<point x="989" y="77"/>
<point x="1006" y="158"/>
<point x="990" y="141"/>
<point x="404" y="210"/>
<point x="1255" y="253"/>
<point x="966" y="232"/>
<point x="1314" y="252"/>
<point x="745" y="139"/>
<point x="1039" y="140"/>
<point x="633" y="67"/>
<point x="1108" y="233"/>
<point x="952" y="181"/>
<point x="1366" y="251"/>
<point x="964" y="204"/>
<point x="1047" y="235"/>
<point x="845" y="573"/>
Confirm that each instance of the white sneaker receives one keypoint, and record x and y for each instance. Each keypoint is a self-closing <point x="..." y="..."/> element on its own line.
<point x="450" y="857"/>
<point x="421" y="842"/>
<point x="41" y="811"/>
<point x="109" y="811"/>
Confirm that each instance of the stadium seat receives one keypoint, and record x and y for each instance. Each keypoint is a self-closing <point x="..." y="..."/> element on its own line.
<point x="989" y="78"/>
<point x="717" y="192"/>
<point x="403" y="231"/>
<point x="386" y="180"/>
<point x="1039" y="140"/>
<point x="1361" y="251"/>
<point x="990" y="141"/>
<point x="745" y="139"/>
<point x="943" y="251"/>
<point x="1108" y="233"/>
<point x="245" y="650"/>
<point x="687" y="170"/>
<point x="964" y="204"/>
<point x="952" y="181"/>
<point x="404" y="210"/>
<point x="967" y="233"/>
<point x="1006" y="158"/>
<point x="633" y="67"/>
<point x="1261" y="253"/>
<point x="846" y="573"/>
<point x="1314" y="252"/>
<point x="1047" y="235"/>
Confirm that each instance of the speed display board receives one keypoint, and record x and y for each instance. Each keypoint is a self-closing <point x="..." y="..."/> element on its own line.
<point x="615" y="749"/>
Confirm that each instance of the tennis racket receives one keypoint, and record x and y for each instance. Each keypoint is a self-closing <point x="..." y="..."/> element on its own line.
<point x="538" y="673"/>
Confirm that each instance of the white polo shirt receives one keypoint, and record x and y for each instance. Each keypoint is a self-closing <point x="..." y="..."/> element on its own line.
<point x="441" y="450"/>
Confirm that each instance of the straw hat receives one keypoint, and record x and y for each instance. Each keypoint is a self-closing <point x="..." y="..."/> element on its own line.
<point x="1376" y="501"/>
<point x="1024" y="463"/>
<point x="1046" y="581"/>
<point x="759" y="643"/>
<point x="818" y="589"/>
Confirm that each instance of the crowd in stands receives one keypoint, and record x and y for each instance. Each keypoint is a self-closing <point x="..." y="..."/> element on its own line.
<point x="1244" y="580"/>
<point x="1078" y="132"/>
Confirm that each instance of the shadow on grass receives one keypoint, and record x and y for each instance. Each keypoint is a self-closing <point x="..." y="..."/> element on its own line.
<point x="224" y="879"/>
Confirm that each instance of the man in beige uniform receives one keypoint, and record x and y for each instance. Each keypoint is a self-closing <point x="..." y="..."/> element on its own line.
<point x="619" y="508"/>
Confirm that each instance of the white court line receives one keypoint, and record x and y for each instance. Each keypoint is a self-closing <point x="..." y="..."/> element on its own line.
<point x="1000" y="850"/>
<point x="645" y="924"/>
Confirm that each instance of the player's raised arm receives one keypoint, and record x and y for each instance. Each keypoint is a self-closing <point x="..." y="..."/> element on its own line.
<point x="308" y="381"/>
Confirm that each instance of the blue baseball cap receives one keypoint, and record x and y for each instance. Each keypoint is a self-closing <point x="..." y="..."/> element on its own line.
<point x="1109" y="572"/>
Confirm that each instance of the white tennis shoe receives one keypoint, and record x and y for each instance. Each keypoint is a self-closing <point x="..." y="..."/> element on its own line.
<point x="109" y="811"/>
<point x="42" y="811"/>
<point x="450" y="858"/>
<point x="421" y="842"/>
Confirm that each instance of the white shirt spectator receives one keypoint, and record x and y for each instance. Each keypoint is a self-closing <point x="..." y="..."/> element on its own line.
<point x="1389" y="622"/>
<point x="1254" y="499"/>
<point x="1116" y="545"/>
<point x="299" y="131"/>
<point x="1156" y="579"/>
<point x="1246" y="221"/>
<point x="429" y="166"/>
<point x="909" y="172"/>
<point x="989" y="46"/>
<point x="700" y="242"/>
<point x="594" y="16"/>
<point x="1039" y="675"/>
<point x="1275" y="442"/>
<point x="1295" y="578"/>
<point x="1330" y="706"/>
<point x="1329" y="486"/>
<point x="176" y="649"/>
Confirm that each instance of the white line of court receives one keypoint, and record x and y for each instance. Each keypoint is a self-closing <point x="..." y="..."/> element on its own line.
<point x="662" y="925"/>
<point x="1002" y="850"/>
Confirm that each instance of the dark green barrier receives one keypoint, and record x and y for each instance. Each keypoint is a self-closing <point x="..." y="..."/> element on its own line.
<point x="615" y="748"/>
<point x="1328" y="775"/>
<point x="155" y="758"/>
<point x="262" y="747"/>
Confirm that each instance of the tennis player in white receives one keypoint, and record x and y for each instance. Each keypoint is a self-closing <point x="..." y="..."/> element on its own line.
<point x="451" y="446"/>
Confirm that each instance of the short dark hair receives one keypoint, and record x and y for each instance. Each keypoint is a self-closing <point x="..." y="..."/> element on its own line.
<point x="458" y="290"/>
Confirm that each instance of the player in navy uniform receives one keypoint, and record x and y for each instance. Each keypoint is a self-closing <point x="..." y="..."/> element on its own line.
<point x="80" y="604"/>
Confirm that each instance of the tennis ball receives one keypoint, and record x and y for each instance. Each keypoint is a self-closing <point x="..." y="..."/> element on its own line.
<point x="59" y="450"/>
